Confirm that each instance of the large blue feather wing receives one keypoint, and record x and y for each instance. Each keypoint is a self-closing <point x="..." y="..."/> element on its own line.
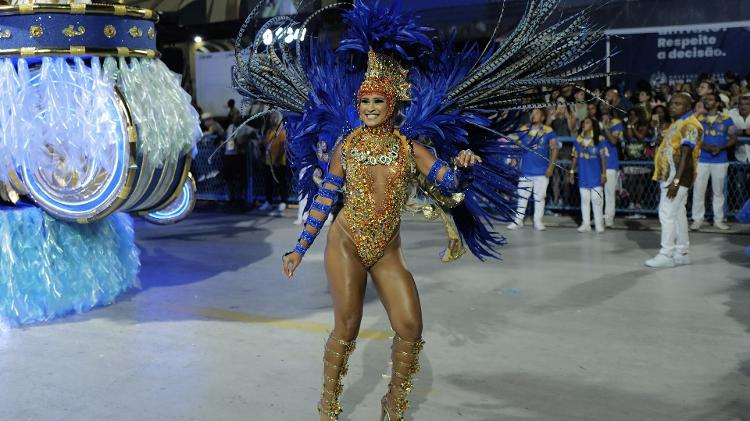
<point x="453" y="96"/>
<point x="489" y="197"/>
<point x="329" y="115"/>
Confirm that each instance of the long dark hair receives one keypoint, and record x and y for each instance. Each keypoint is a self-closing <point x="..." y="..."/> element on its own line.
<point x="667" y="117"/>
<point x="595" y="129"/>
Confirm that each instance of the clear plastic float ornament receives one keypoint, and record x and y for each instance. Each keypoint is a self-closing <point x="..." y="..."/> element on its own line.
<point x="91" y="121"/>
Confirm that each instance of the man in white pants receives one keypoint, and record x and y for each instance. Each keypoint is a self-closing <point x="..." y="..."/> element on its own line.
<point x="613" y="131"/>
<point x="719" y="134"/>
<point x="741" y="119"/>
<point x="537" y="164"/>
<point x="675" y="169"/>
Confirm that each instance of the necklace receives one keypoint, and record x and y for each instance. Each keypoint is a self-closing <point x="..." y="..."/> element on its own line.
<point x="385" y="158"/>
<point x="373" y="147"/>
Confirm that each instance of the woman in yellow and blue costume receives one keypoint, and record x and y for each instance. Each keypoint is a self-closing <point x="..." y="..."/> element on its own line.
<point x="385" y="85"/>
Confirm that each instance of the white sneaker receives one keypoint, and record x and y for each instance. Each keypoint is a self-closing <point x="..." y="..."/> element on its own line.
<point x="265" y="207"/>
<point x="720" y="225"/>
<point x="298" y="222"/>
<point x="660" y="261"/>
<point x="282" y="207"/>
<point x="696" y="225"/>
<point x="600" y="229"/>
<point x="514" y="226"/>
<point x="584" y="228"/>
<point x="609" y="223"/>
<point x="681" y="259"/>
<point x="540" y="227"/>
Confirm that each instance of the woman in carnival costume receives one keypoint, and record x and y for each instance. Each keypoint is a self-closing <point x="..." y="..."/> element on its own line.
<point x="387" y="69"/>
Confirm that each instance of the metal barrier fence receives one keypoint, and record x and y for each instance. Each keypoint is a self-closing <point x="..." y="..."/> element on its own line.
<point x="208" y="171"/>
<point x="636" y="192"/>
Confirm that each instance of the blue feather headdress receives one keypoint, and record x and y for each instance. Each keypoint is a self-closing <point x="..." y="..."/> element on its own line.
<point x="386" y="30"/>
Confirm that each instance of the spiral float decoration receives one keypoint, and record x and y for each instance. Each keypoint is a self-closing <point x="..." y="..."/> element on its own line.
<point x="91" y="121"/>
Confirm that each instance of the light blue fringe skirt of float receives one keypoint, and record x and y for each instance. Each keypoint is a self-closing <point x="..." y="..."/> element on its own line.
<point x="50" y="268"/>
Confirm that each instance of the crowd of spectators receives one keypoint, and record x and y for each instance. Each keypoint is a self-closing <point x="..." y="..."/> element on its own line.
<point x="631" y="123"/>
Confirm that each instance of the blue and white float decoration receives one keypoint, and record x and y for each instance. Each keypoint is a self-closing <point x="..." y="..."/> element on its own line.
<point x="91" y="121"/>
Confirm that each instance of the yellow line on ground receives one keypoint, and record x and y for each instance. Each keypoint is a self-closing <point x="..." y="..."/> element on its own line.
<point x="289" y="324"/>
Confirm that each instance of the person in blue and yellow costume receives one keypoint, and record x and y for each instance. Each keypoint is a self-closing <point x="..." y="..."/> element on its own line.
<point x="374" y="166"/>
<point x="675" y="168"/>
<point x="719" y="135"/>
<point x="537" y="165"/>
<point x="612" y="129"/>
<point x="590" y="161"/>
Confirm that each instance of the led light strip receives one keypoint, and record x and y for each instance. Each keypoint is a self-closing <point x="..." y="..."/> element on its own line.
<point x="178" y="209"/>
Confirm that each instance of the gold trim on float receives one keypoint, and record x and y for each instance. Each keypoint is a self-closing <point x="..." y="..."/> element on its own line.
<point x="132" y="134"/>
<point x="79" y="9"/>
<point x="168" y="172"/>
<point x="15" y="181"/>
<point x="183" y="178"/>
<point x="77" y="51"/>
<point x="124" y="192"/>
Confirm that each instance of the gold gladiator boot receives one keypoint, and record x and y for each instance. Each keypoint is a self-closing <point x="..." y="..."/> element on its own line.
<point x="405" y="356"/>
<point x="335" y="366"/>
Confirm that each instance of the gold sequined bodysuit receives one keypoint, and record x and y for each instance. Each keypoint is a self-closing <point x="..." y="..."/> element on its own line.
<point x="378" y="165"/>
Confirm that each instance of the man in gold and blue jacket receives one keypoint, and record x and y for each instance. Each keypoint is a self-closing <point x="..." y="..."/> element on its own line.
<point x="675" y="168"/>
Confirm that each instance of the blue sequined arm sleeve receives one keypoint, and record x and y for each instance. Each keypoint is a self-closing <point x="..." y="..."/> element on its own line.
<point x="450" y="182"/>
<point x="314" y="224"/>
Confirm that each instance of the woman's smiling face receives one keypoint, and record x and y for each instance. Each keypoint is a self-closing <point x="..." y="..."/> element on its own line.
<point x="373" y="110"/>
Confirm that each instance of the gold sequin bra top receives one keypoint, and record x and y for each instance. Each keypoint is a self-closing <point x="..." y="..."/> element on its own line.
<point x="373" y="224"/>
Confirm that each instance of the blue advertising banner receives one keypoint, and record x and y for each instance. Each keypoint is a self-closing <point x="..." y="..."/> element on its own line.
<point x="678" y="54"/>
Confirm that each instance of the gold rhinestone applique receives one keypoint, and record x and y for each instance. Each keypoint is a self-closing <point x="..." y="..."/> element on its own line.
<point x="36" y="31"/>
<point x="5" y="34"/>
<point x="151" y="33"/>
<point x="110" y="31"/>
<point x="135" y="32"/>
<point x="374" y="224"/>
<point x="71" y="31"/>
